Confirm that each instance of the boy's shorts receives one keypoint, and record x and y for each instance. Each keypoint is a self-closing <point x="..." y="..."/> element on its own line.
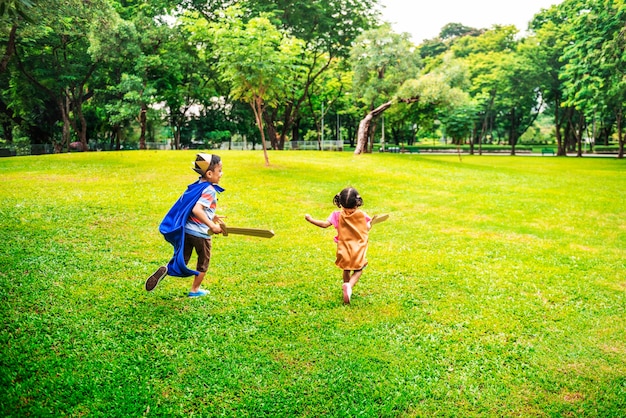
<point x="203" y="249"/>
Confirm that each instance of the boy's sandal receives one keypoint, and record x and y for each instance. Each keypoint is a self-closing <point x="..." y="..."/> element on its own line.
<point x="199" y="293"/>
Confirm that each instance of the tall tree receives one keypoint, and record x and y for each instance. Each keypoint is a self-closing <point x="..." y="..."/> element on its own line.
<point x="503" y="84"/>
<point x="115" y="45"/>
<point x="544" y="47"/>
<point x="327" y="27"/>
<point x="52" y="54"/>
<point x="596" y="63"/>
<point x="382" y="61"/>
<point x="253" y="58"/>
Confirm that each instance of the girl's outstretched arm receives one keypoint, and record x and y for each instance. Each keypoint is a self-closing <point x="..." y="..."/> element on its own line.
<point x="317" y="222"/>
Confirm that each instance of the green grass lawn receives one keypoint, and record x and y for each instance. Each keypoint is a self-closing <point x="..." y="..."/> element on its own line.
<point x="496" y="288"/>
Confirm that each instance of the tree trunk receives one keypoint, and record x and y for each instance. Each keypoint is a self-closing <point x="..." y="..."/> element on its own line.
<point x="142" y="125"/>
<point x="82" y="133"/>
<point x="257" y="108"/>
<point x="620" y="132"/>
<point x="295" y="130"/>
<point x="10" y="49"/>
<point x="579" y="135"/>
<point x="557" y="128"/>
<point x="272" y="133"/>
<point x="176" y="129"/>
<point x="289" y="121"/>
<point x="118" y="138"/>
<point x="65" y="136"/>
<point x="513" y="132"/>
<point x="363" y="133"/>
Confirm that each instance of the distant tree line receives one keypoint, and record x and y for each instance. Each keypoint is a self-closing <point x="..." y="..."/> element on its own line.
<point x="103" y="73"/>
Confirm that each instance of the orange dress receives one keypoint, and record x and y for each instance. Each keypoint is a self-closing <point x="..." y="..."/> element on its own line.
<point x="352" y="239"/>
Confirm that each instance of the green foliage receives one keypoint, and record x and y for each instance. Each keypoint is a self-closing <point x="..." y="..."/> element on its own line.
<point x="15" y="9"/>
<point x="382" y="61"/>
<point x="254" y="57"/>
<point x="595" y="59"/>
<point x="328" y="26"/>
<point x="496" y="288"/>
<point x="118" y="59"/>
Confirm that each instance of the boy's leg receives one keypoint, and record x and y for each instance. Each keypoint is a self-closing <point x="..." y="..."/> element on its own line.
<point x="203" y="250"/>
<point x="197" y="281"/>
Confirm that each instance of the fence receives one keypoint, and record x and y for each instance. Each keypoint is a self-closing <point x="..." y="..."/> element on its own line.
<point x="289" y="145"/>
<point x="314" y="145"/>
<point x="238" y="145"/>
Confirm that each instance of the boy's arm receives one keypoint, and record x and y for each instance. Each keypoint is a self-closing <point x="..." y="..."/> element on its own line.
<point x="317" y="222"/>
<point x="198" y="212"/>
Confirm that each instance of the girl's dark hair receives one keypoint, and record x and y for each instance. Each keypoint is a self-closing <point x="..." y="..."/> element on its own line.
<point x="348" y="198"/>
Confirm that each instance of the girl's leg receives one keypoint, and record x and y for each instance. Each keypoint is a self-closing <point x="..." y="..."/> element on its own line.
<point x="346" y="288"/>
<point x="349" y="281"/>
<point x="355" y="277"/>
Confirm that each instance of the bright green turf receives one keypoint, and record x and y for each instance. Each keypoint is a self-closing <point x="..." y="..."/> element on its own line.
<point x="496" y="288"/>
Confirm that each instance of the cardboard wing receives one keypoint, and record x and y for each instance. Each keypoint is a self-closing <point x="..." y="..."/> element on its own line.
<point x="376" y="219"/>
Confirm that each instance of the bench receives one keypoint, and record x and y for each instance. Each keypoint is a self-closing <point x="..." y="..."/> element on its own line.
<point x="545" y="151"/>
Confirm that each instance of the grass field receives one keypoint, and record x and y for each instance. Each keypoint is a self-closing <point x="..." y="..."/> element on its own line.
<point x="496" y="288"/>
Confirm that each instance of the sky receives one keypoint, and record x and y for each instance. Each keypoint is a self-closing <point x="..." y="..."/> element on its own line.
<point x="424" y="19"/>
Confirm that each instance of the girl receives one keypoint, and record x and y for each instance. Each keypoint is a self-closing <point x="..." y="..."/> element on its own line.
<point x="352" y="225"/>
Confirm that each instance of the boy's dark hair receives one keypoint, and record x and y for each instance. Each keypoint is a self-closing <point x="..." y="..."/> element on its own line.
<point x="205" y="162"/>
<point x="348" y="198"/>
<point x="215" y="160"/>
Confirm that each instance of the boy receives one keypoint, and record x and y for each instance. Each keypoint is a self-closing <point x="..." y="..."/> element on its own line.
<point x="189" y="225"/>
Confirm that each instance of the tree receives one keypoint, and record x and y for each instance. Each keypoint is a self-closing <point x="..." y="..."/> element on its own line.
<point x="181" y="81"/>
<point x="503" y="84"/>
<point x="115" y="44"/>
<point x="545" y="48"/>
<point x="254" y="59"/>
<point x="12" y="12"/>
<point x="382" y="61"/>
<point x="521" y="98"/>
<point x="596" y="64"/>
<point x="457" y="30"/>
<point x="328" y="29"/>
<point x="52" y="54"/>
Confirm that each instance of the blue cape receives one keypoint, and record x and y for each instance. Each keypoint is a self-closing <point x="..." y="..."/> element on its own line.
<point x="173" y="227"/>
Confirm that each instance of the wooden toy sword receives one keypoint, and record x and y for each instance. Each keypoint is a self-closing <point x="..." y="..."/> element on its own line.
<point x="253" y="232"/>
